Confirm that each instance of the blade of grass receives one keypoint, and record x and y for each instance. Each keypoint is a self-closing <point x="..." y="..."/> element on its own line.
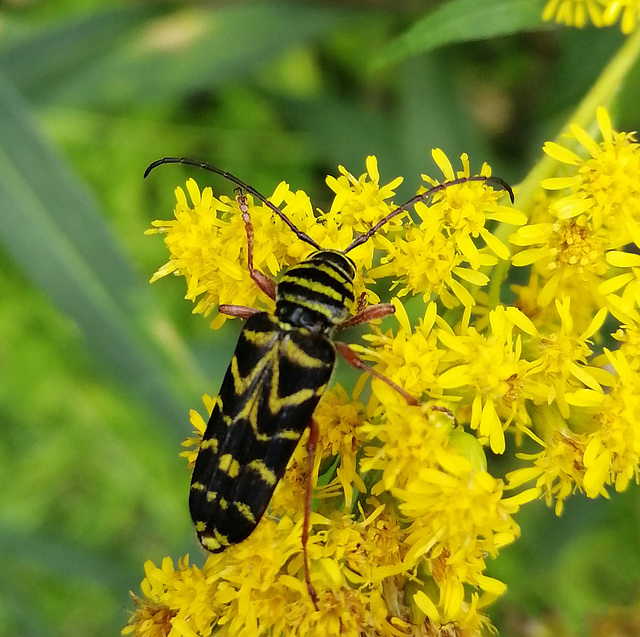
<point x="143" y="57"/>
<point x="41" y="60"/>
<point x="54" y="231"/>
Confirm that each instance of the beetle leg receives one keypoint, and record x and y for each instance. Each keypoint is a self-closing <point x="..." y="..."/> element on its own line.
<point x="267" y="285"/>
<point x="370" y="313"/>
<point x="353" y="359"/>
<point x="239" y="311"/>
<point x="312" y="441"/>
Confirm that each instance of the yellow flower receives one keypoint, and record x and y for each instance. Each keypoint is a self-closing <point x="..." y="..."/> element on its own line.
<point x="463" y="211"/>
<point x="360" y="203"/>
<point x="623" y="306"/>
<point x="405" y="511"/>
<point x="605" y="186"/>
<point x="562" y="360"/>
<point x="199" y="425"/>
<point x="460" y="518"/>
<point x="175" y="601"/>
<point x="574" y="12"/>
<point x="339" y="421"/>
<point x="575" y="247"/>
<point x="432" y="257"/>
<point x="208" y="246"/>
<point x="559" y="468"/>
<point x="488" y="372"/>
<point x="569" y="255"/>
<point x="411" y="357"/>
<point x="630" y="10"/>
<point x="607" y="452"/>
<point x="613" y="453"/>
<point x="455" y="508"/>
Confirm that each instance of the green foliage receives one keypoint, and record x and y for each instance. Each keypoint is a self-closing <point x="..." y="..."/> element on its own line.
<point x="463" y="21"/>
<point x="100" y="369"/>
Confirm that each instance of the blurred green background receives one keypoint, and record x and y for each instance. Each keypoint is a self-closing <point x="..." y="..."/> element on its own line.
<point x="99" y="369"/>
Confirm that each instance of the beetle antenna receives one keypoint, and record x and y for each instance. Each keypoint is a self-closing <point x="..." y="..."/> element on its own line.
<point x="495" y="182"/>
<point x="232" y="178"/>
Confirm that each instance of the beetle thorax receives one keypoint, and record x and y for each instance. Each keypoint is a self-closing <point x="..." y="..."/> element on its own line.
<point x="317" y="293"/>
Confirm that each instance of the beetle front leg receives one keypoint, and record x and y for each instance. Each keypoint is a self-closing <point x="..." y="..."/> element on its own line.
<point x="267" y="285"/>
<point x="370" y="313"/>
<point x="238" y="311"/>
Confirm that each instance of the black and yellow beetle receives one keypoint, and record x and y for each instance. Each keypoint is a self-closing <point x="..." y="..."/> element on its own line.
<point x="280" y="368"/>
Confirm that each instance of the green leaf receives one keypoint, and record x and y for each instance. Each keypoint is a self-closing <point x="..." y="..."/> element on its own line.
<point x="463" y="21"/>
<point x="55" y="232"/>
<point x="43" y="61"/>
<point x="141" y="57"/>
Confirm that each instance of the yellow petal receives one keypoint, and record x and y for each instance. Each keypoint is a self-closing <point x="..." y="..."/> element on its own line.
<point x="596" y="323"/>
<point x="561" y="153"/>
<point x="619" y="259"/>
<point x="424" y="603"/>
<point x="521" y="320"/>
<point x="491" y="584"/>
<point x="558" y="183"/>
<point x="443" y="163"/>
<point x="372" y="167"/>
<point x="527" y="257"/>
<point x="615" y="283"/>
<point x="495" y="245"/>
<point x="585" y="139"/>
<point x="401" y="315"/>
<point x="471" y="276"/>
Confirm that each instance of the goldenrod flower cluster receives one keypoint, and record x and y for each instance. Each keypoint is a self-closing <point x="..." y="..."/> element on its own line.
<point x="406" y="509"/>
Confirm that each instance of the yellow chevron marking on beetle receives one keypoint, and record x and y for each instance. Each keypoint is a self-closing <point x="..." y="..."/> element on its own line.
<point x="266" y="474"/>
<point x="223" y="503"/>
<point x="229" y="465"/>
<point x="245" y="511"/>
<point x="200" y="527"/>
<point x="240" y="383"/>
<point x="276" y="402"/>
<point x="211" y="496"/>
<point x="198" y="486"/>
<point x="250" y="413"/>
<point x="298" y="356"/>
